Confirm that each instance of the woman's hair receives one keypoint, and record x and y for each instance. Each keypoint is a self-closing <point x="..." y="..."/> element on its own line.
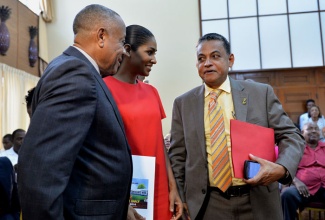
<point x="137" y="35"/>
<point x="319" y="114"/>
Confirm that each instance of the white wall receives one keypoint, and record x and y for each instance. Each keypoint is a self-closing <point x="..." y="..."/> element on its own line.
<point x="175" y="25"/>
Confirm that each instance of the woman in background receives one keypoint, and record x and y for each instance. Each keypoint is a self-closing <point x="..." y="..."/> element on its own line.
<point x="142" y="111"/>
<point x="315" y="115"/>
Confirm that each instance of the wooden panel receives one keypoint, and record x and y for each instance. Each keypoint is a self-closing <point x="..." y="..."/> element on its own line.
<point x="292" y="86"/>
<point x="26" y="18"/>
<point x="20" y="19"/>
<point x="267" y="77"/>
<point x="293" y="100"/>
<point x="320" y="101"/>
<point x="320" y="77"/>
<point x="295" y="78"/>
<point x="11" y="55"/>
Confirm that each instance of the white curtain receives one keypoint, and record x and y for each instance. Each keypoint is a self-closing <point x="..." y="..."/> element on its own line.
<point x="46" y="16"/>
<point x="46" y="10"/>
<point x="14" y="86"/>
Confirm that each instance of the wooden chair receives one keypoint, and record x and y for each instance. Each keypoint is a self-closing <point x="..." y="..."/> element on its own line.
<point x="315" y="207"/>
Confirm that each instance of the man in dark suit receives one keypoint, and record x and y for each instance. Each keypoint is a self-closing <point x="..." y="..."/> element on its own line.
<point x="191" y="153"/>
<point x="75" y="162"/>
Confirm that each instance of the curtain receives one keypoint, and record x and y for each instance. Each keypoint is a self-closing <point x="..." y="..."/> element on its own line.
<point x="46" y="10"/>
<point x="14" y="86"/>
<point x="46" y="16"/>
<point x="42" y="40"/>
<point x="42" y="45"/>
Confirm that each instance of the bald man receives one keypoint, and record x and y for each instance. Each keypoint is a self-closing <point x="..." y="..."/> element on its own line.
<point x="75" y="162"/>
<point x="308" y="184"/>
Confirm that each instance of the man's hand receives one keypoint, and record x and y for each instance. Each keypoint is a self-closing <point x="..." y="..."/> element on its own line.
<point x="134" y="215"/>
<point x="175" y="201"/>
<point x="269" y="172"/>
<point x="301" y="187"/>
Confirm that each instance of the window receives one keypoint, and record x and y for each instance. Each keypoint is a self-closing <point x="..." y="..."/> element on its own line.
<point x="268" y="34"/>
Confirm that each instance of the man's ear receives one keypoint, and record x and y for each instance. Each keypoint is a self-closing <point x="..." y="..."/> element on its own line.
<point x="101" y="37"/>
<point x="231" y="60"/>
<point x="127" y="47"/>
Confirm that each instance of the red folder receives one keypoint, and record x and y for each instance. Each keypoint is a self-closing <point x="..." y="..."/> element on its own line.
<point x="247" y="139"/>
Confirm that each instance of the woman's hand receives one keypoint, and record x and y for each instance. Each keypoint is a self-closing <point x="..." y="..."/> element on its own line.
<point x="134" y="215"/>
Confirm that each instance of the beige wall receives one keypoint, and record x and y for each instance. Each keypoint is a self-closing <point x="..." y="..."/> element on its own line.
<point x="175" y="25"/>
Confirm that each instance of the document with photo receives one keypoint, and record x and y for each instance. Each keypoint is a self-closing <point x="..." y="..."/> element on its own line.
<point x="142" y="188"/>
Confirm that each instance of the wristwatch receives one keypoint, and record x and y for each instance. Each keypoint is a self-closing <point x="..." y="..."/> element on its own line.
<point x="286" y="175"/>
<point x="286" y="178"/>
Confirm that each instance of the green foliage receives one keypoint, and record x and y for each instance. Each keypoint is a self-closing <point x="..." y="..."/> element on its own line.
<point x="141" y="186"/>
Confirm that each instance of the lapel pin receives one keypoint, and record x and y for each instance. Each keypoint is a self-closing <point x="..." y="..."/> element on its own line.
<point x="244" y="101"/>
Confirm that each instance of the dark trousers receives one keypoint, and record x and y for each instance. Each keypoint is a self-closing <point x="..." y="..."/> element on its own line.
<point x="292" y="200"/>
<point x="217" y="206"/>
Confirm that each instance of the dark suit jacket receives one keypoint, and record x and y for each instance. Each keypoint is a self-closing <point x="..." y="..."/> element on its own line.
<point x="9" y="204"/>
<point x="188" y="149"/>
<point x="75" y="162"/>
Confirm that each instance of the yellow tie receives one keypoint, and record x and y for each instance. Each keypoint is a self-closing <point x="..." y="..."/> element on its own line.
<point x="219" y="151"/>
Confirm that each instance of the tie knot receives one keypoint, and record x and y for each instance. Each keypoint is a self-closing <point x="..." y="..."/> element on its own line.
<point x="215" y="94"/>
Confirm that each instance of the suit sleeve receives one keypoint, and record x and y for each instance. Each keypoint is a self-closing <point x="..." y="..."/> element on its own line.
<point x="177" y="152"/>
<point x="64" y="107"/>
<point x="287" y="136"/>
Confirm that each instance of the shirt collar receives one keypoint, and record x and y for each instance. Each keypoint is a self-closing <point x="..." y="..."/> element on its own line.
<point x="225" y="86"/>
<point x="91" y="60"/>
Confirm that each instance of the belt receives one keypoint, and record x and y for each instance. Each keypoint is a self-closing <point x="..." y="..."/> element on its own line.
<point x="233" y="191"/>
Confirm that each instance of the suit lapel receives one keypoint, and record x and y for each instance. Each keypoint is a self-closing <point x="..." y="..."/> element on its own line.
<point x="110" y="99"/>
<point x="240" y="100"/>
<point x="71" y="51"/>
<point x="197" y="109"/>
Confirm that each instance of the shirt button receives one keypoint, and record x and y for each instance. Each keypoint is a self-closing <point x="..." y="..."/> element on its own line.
<point x="203" y="191"/>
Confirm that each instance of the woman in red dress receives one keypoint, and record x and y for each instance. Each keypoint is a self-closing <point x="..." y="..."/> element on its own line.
<point x="142" y="111"/>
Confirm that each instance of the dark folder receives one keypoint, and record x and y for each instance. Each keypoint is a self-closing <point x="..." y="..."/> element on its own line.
<point x="247" y="139"/>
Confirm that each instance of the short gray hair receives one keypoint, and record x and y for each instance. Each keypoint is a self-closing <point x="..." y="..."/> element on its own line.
<point x="92" y="15"/>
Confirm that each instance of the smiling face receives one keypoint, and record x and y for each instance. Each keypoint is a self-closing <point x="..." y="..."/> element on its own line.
<point x="213" y="62"/>
<point x="144" y="57"/>
<point x="311" y="133"/>
<point x="314" y="112"/>
<point x="112" y="48"/>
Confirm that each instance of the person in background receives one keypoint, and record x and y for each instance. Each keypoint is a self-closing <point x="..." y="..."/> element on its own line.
<point x="142" y="112"/>
<point x="303" y="118"/>
<point x="9" y="202"/>
<point x="17" y="139"/>
<point x="167" y="141"/>
<point x="315" y="115"/>
<point x="7" y="142"/>
<point x="75" y="162"/>
<point x="210" y="191"/>
<point x="28" y="99"/>
<point x="309" y="182"/>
